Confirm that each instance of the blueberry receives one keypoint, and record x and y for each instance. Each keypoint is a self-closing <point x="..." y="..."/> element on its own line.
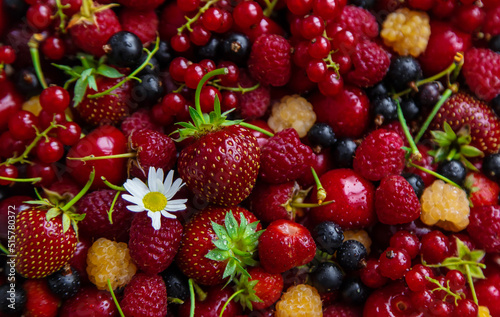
<point x="9" y="304"/>
<point x="354" y="292"/>
<point x="235" y="47"/>
<point x="322" y="135"/>
<point x="491" y="166"/>
<point x="454" y="170"/>
<point x="385" y="106"/>
<point x="176" y="282"/>
<point x="328" y="236"/>
<point x="495" y="43"/>
<point x="351" y="255"/>
<point x="327" y="277"/>
<point x="403" y="70"/>
<point x="343" y="153"/>
<point x="64" y="283"/>
<point x="124" y="49"/>
<point x="416" y="182"/>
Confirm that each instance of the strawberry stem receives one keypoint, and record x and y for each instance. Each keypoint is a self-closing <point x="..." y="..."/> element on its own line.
<point x="35" y="57"/>
<point x="92" y="157"/>
<point x="256" y="128"/>
<point x="191" y="295"/>
<point x="32" y="180"/>
<point x="81" y="193"/>
<point x="321" y="192"/>
<point x="114" y="299"/>
<point x="229" y="300"/>
<point x="219" y="71"/>
<point x="415" y="154"/>
<point x="447" y="93"/>
<point x="310" y="205"/>
<point x="269" y="7"/>
<point x="112" y="186"/>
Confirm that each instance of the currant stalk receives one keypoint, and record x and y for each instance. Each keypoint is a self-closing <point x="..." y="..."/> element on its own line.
<point x="33" y="45"/>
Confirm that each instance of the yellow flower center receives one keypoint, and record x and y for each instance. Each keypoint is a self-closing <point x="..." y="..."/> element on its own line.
<point x="154" y="201"/>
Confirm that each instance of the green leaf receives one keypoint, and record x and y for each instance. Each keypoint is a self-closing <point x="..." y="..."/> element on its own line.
<point x="477" y="255"/>
<point x="476" y="272"/>
<point x="222" y="244"/>
<point x="86" y="73"/>
<point x="108" y="71"/>
<point x="449" y="131"/>
<point x="250" y="261"/>
<point x="243" y="225"/>
<point x="220" y="231"/>
<point x="80" y="90"/>
<point x="230" y="268"/>
<point x="52" y="213"/>
<point x="462" y="248"/>
<point x="253" y="238"/>
<point x="92" y="82"/>
<point x="195" y="115"/>
<point x="468" y="164"/>
<point x="66" y="222"/>
<point x="217" y="255"/>
<point x="470" y="151"/>
<point x="231" y="225"/>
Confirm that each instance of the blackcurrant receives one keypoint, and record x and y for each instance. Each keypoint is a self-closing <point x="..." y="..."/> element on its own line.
<point x="327" y="277"/>
<point x="148" y="91"/>
<point x="429" y="94"/>
<point x="27" y="83"/>
<point x="16" y="8"/>
<point x="12" y="298"/>
<point x="385" y="107"/>
<point x="354" y="292"/>
<point x="65" y="283"/>
<point x="403" y="70"/>
<point x="343" y="152"/>
<point x="124" y="49"/>
<point x="209" y="50"/>
<point x="154" y="68"/>
<point x="235" y="47"/>
<point x="351" y="255"/>
<point x="410" y="108"/>
<point x="328" y="236"/>
<point x="491" y="166"/>
<point x="494" y="43"/>
<point x="366" y="4"/>
<point x="321" y="135"/>
<point x="165" y="54"/>
<point x="416" y="182"/>
<point x="176" y="282"/>
<point x="495" y="104"/>
<point x="379" y="89"/>
<point x="454" y="170"/>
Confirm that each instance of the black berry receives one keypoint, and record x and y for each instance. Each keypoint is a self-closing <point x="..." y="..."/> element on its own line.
<point x="410" y="108"/>
<point x="384" y="107"/>
<point x="165" y="54"/>
<point x="209" y="50"/>
<point x="416" y="182"/>
<point x="367" y="4"/>
<point x="491" y="166"/>
<point x="495" y="43"/>
<point x="351" y="255"/>
<point x="321" y="135"/>
<point x="148" y="91"/>
<point x="495" y="104"/>
<point x="429" y="94"/>
<point x="64" y="283"/>
<point x="328" y="236"/>
<point x="12" y="298"/>
<point x="153" y="68"/>
<point x="27" y="83"/>
<point x="235" y="47"/>
<point x="327" y="276"/>
<point x="403" y="70"/>
<point x="343" y="153"/>
<point x="176" y="282"/>
<point x="354" y="292"/>
<point x="454" y="170"/>
<point x="124" y="49"/>
<point x="379" y="89"/>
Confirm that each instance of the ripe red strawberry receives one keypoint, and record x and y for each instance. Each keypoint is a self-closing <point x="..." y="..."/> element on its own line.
<point x="146" y="296"/>
<point x="353" y="200"/>
<point x="143" y="23"/>
<point x="41" y="302"/>
<point x="154" y="149"/>
<point x="107" y="109"/>
<point x="461" y="109"/>
<point x="284" y="157"/>
<point x="91" y="28"/>
<point x="270" y="60"/>
<point x="271" y="202"/>
<point x="104" y="140"/>
<point x="262" y="289"/>
<point x="379" y="155"/>
<point x="212" y="305"/>
<point x="370" y="64"/>
<point x="482" y="72"/>
<point x="481" y="190"/>
<point x="284" y="245"/>
<point x="201" y="255"/>
<point x="89" y="301"/>
<point x="484" y="227"/>
<point x="154" y="250"/>
<point x="396" y="201"/>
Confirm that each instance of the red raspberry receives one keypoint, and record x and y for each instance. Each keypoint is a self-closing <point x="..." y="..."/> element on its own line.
<point x="342" y="310"/>
<point x="396" y="201"/>
<point x="491" y="24"/>
<point x="144" y="24"/>
<point x="426" y="161"/>
<point x="140" y="119"/>
<point x="482" y="72"/>
<point x="95" y="225"/>
<point x="253" y="104"/>
<point x="484" y="227"/>
<point x="154" y="250"/>
<point x="284" y="157"/>
<point x="146" y="296"/>
<point x="370" y="62"/>
<point x="379" y="155"/>
<point x="270" y="60"/>
<point x="153" y="149"/>
<point x="359" y="21"/>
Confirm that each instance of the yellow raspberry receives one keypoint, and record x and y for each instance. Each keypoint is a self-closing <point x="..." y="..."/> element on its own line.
<point x="33" y="105"/>
<point x="445" y="206"/>
<point x="292" y="112"/>
<point x="359" y="235"/>
<point x="300" y="301"/>
<point x="406" y="31"/>
<point x="483" y="312"/>
<point x="111" y="260"/>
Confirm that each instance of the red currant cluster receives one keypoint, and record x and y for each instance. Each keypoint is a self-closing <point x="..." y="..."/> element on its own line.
<point x="38" y="139"/>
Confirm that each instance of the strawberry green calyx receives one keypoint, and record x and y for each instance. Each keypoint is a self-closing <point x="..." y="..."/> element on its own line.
<point x="236" y="243"/>
<point x="453" y="145"/>
<point x="87" y="13"/>
<point x="245" y="292"/>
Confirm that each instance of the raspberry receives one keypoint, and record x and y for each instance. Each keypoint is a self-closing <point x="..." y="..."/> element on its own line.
<point x="111" y="260"/>
<point x="491" y="26"/>
<point x="359" y="21"/>
<point x="445" y="206"/>
<point x="284" y="157"/>
<point x="299" y="301"/>
<point x="482" y="72"/>
<point x="140" y="119"/>
<point x="270" y="60"/>
<point x="96" y="224"/>
<point x="292" y="112"/>
<point x="144" y="24"/>
<point x="342" y="310"/>
<point x="360" y="236"/>
<point x="145" y="296"/>
<point x="484" y="227"/>
<point x="406" y="31"/>
<point x="396" y="201"/>
<point x="379" y="155"/>
<point x="253" y="104"/>
<point x="370" y="62"/>
<point x="484" y="311"/>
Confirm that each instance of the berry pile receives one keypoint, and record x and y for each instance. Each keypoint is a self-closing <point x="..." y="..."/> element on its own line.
<point x="250" y="158"/>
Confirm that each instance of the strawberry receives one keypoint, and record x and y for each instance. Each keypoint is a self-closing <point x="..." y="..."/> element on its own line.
<point x="145" y="295"/>
<point x="284" y="245"/>
<point x="463" y="109"/>
<point x="154" y="250"/>
<point x="211" y="306"/>
<point x="396" y="201"/>
<point x="481" y="190"/>
<point x="41" y="302"/>
<point x="262" y="289"/>
<point x="216" y="244"/>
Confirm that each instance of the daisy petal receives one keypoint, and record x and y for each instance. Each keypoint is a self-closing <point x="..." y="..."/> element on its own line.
<point x="168" y="215"/>
<point x="136" y="187"/>
<point x="132" y="199"/>
<point x="174" y="188"/>
<point x="175" y="207"/>
<point x="152" y="179"/>
<point x="135" y="208"/>
<point x="155" y="219"/>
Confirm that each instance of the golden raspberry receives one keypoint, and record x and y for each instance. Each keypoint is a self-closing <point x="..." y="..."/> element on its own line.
<point x="483" y="312"/>
<point x="33" y="105"/>
<point x="406" y="31"/>
<point x="359" y="235"/>
<point x="111" y="260"/>
<point x="292" y="112"/>
<point x="300" y="301"/>
<point x="445" y="206"/>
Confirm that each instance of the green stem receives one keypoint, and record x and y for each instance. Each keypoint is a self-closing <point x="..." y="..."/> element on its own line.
<point x="112" y="186"/>
<point x="452" y="153"/>
<point x="103" y="157"/>
<point x="4" y="249"/>
<point x="81" y="193"/>
<point x="114" y="299"/>
<point x="269" y="7"/>
<point x="428" y="171"/>
<point x="256" y="128"/>
<point x="190" y="21"/>
<point x="447" y="93"/>
<point x="330" y="63"/>
<point x="229" y="300"/>
<point x="22" y="180"/>
<point x="462" y="262"/>
<point x="406" y="130"/>
<point x="110" y="212"/>
<point x="35" y="57"/>
<point x="219" y="71"/>
<point x="191" y="295"/>
<point x="62" y="16"/>
<point x="309" y="205"/>
<point x="236" y="89"/>
<point x="132" y="74"/>
<point x="471" y="284"/>
<point x="321" y="192"/>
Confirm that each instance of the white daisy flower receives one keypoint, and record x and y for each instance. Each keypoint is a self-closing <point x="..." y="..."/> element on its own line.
<point x="156" y="196"/>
